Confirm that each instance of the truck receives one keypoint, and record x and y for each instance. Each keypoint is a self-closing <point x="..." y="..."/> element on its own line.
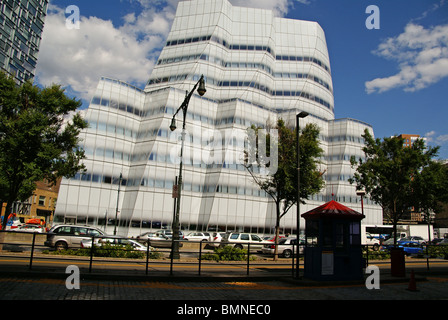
<point x="384" y="232"/>
<point x="370" y="240"/>
<point x="420" y="230"/>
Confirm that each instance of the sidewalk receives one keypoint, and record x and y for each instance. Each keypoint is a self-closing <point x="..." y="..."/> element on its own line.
<point x="186" y="269"/>
<point x="268" y="287"/>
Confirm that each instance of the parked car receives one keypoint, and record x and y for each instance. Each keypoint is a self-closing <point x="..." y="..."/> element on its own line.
<point x="285" y="247"/>
<point x="114" y="241"/>
<point x="409" y="247"/>
<point x="70" y="236"/>
<point x="414" y="238"/>
<point x="198" y="236"/>
<point x="435" y="241"/>
<point x="272" y="238"/>
<point x="145" y="236"/>
<point x="168" y="233"/>
<point x="30" y="228"/>
<point x="215" y="239"/>
<point x="242" y="240"/>
<point x="162" y="241"/>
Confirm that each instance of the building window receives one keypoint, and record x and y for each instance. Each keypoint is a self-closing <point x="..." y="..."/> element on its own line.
<point x="42" y="200"/>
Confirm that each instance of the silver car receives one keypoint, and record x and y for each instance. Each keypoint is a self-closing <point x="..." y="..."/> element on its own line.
<point x="70" y="236"/>
<point x="285" y="247"/>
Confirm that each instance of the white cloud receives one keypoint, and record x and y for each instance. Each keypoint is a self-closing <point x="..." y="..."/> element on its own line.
<point x="280" y="7"/>
<point x="442" y="138"/>
<point x="431" y="136"/>
<point x="78" y="58"/>
<point x="422" y="56"/>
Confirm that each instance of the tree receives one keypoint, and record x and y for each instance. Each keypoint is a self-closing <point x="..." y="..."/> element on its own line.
<point x="36" y="143"/>
<point x="388" y="172"/>
<point x="281" y="182"/>
<point x="430" y="190"/>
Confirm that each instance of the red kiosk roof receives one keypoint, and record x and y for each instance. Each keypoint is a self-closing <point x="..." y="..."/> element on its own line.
<point x="333" y="209"/>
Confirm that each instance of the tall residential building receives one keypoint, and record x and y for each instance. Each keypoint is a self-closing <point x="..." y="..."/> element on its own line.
<point x="257" y="68"/>
<point x="21" y="26"/>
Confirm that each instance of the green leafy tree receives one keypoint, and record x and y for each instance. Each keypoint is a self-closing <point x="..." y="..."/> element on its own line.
<point x="281" y="160"/>
<point x="36" y="143"/>
<point x="388" y="172"/>
<point x="430" y="190"/>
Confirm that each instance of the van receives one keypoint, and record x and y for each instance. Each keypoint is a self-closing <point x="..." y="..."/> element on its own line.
<point x="62" y="237"/>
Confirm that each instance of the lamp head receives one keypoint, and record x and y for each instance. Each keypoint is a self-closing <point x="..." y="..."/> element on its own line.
<point x="173" y="124"/>
<point x="201" y="89"/>
<point x="303" y="114"/>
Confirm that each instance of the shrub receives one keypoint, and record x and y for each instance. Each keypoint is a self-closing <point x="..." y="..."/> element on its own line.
<point x="377" y="255"/>
<point x="438" y="251"/>
<point x="110" y="251"/>
<point x="227" y="253"/>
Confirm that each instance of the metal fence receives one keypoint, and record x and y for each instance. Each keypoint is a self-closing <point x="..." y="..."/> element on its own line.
<point x="192" y="253"/>
<point x="17" y="244"/>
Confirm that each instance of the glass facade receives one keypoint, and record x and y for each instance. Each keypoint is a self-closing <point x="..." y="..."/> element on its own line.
<point x="21" y="26"/>
<point x="257" y="68"/>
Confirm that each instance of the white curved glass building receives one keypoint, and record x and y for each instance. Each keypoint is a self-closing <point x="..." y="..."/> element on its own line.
<point x="257" y="68"/>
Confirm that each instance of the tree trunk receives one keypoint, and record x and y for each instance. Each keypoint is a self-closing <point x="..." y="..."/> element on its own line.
<point x="277" y="229"/>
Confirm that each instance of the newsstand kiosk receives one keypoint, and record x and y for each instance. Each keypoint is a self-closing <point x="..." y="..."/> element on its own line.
<point x="333" y="243"/>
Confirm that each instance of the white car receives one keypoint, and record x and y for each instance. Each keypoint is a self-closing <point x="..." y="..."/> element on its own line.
<point x="285" y="247"/>
<point x="30" y="228"/>
<point x="197" y="236"/>
<point x="215" y="238"/>
<point x="115" y="241"/>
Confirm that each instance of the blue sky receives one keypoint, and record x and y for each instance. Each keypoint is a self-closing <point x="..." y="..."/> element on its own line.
<point x="394" y="78"/>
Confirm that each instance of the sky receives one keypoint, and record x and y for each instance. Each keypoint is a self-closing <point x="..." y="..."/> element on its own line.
<point x="389" y="66"/>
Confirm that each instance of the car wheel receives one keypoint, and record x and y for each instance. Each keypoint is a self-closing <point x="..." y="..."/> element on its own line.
<point x="287" y="254"/>
<point x="238" y="246"/>
<point x="61" y="245"/>
<point x="376" y="247"/>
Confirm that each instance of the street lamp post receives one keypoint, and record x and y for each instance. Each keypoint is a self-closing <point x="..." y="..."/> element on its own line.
<point x="302" y="114"/>
<point x="361" y="193"/>
<point x="116" y="210"/>
<point x="183" y="107"/>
